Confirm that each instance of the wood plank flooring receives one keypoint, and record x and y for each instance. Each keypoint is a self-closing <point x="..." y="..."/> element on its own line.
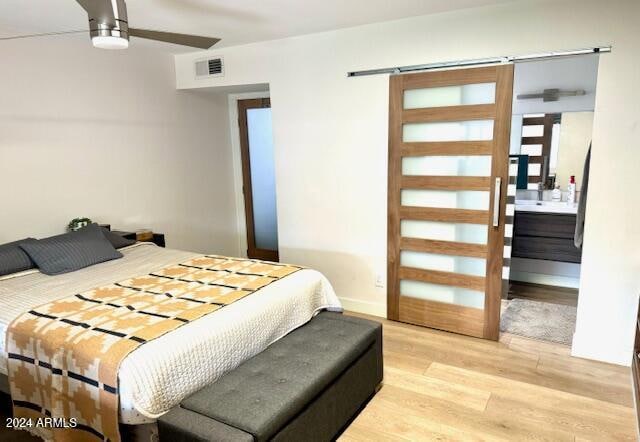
<point x="442" y="386"/>
<point x="544" y="293"/>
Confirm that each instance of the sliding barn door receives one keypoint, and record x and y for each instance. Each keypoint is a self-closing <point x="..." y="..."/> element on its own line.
<point x="448" y="166"/>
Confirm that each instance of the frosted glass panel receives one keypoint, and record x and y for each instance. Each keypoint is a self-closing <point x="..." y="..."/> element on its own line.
<point x="470" y="233"/>
<point x="516" y="135"/>
<point x="450" y="199"/>
<point x="531" y="149"/>
<point x="454" y="131"/>
<point x="444" y="263"/>
<point x="263" y="182"/>
<point x="481" y="93"/>
<point x="534" y="169"/>
<point x="555" y="146"/>
<point x="477" y="165"/>
<point x="532" y="131"/>
<point x="442" y="293"/>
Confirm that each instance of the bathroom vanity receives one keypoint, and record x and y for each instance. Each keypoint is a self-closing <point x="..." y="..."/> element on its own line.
<point x="550" y="140"/>
<point x="545" y="230"/>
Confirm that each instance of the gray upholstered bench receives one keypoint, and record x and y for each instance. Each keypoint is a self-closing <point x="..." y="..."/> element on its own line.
<point x="307" y="386"/>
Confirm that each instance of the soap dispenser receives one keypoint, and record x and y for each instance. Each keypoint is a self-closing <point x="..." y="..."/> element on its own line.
<point x="571" y="197"/>
<point x="556" y="195"/>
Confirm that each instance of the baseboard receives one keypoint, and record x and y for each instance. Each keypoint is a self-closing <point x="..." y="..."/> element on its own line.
<point x="365" y="307"/>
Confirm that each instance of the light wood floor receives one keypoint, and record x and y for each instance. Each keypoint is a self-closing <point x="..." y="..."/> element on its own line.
<point x="442" y="386"/>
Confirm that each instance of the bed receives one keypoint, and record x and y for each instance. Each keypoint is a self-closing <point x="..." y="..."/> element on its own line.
<point x="162" y="372"/>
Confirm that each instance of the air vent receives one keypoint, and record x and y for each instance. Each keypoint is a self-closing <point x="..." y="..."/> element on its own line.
<point x="212" y="67"/>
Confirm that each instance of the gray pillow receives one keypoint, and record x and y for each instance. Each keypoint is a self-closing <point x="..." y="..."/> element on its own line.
<point x="116" y="240"/>
<point x="13" y="259"/>
<point x="71" y="251"/>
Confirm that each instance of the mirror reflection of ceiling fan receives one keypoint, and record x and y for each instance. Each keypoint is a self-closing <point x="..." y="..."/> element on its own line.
<point x="551" y="94"/>
<point x="109" y="28"/>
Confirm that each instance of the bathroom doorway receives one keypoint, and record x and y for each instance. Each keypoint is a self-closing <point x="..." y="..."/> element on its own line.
<point x="553" y="105"/>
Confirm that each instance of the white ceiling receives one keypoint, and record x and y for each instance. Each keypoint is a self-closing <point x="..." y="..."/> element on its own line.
<point x="235" y="21"/>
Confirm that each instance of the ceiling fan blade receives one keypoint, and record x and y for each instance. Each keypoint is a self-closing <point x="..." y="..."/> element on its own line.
<point x="195" y="41"/>
<point x="46" y="34"/>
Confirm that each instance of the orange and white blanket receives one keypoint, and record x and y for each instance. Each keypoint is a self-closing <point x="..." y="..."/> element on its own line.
<point x="64" y="356"/>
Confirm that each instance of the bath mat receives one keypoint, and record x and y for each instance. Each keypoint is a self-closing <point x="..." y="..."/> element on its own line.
<point x="539" y="320"/>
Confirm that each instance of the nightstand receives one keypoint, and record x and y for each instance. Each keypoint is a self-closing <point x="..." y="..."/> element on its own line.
<point x="158" y="238"/>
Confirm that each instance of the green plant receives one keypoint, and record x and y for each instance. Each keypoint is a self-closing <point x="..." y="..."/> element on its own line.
<point x="78" y="223"/>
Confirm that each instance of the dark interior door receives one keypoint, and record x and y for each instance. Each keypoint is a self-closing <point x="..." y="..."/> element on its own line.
<point x="256" y="145"/>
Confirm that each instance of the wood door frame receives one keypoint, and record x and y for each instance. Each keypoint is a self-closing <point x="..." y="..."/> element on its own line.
<point x="545" y="140"/>
<point x="247" y="189"/>
<point x="499" y="168"/>
<point x="459" y="316"/>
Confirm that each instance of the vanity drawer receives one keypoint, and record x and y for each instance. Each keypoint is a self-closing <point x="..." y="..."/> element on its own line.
<point x="552" y="249"/>
<point x="545" y="224"/>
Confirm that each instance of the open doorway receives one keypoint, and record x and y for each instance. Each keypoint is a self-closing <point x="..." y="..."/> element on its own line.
<point x="258" y="178"/>
<point x="553" y="105"/>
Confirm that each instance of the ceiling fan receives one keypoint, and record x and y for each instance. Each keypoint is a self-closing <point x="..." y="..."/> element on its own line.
<point x="109" y="28"/>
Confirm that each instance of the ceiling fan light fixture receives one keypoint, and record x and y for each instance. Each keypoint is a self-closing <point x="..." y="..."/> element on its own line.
<point x="108" y="23"/>
<point x="109" y="28"/>
<point x="110" y="42"/>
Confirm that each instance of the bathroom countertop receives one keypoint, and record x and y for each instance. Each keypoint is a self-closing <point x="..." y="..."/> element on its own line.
<point x="546" y="207"/>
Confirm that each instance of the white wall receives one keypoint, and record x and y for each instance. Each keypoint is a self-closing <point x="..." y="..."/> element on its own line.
<point x="575" y="135"/>
<point x="330" y="134"/>
<point x="85" y="132"/>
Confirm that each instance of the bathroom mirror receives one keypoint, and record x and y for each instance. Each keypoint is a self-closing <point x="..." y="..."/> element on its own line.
<point x="553" y="103"/>
<point x="552" y="148"/>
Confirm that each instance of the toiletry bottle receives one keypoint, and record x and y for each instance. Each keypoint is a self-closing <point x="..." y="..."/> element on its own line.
<point x="571" y="197"/>
<point x="556" y="195"/>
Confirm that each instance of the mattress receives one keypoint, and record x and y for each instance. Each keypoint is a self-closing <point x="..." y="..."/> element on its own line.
<point x="158" y="375"/>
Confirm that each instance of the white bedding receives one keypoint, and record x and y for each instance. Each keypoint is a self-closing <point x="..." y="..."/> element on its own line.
<point x="159" y="374"/>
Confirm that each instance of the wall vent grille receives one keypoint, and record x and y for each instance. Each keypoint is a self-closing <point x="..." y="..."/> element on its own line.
<point x="211" y="67"/>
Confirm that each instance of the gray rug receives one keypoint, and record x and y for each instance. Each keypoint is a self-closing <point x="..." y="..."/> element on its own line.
<point x="539" y="320"/>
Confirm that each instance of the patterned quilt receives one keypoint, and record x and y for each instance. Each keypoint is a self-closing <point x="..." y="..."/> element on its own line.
<point x="64" y="356"/>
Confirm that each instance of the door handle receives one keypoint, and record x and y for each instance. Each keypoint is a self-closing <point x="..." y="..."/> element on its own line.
<point x="496" y="202"/>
